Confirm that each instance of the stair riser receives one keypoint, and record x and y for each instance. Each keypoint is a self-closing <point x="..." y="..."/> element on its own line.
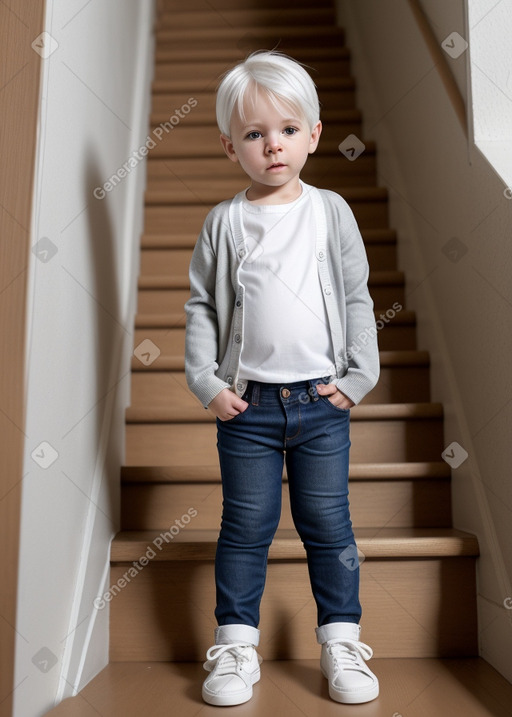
<point x="188" y="220"/>
<point x="381" y="256"/>
<point x="385" y="296"/>
<point x="220" y="5"/>
<point x="372" y="441"/>
<point x="170" y="339"/>
<point x="168" y="391"/>
<point x="252" y="38"/>
<point x="422" y="608"/>
<point x="234" y="52"/>
<point x="374" y="504"/>
<point x="192" y="75"/>
<point x="177" y="188"/>
<point x="247" y="18"/>
<point x="167" y="104"/>
<point x="196" y="84"/>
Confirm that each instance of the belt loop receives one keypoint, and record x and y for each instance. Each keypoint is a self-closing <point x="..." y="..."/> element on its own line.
<point x="255" y="399"/>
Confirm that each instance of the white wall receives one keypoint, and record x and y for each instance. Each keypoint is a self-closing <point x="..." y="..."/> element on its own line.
<point x="93" y="115"/>
<point x="442" y="189"/>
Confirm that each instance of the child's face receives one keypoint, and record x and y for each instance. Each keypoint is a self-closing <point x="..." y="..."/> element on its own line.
<point x="271" y="144"/>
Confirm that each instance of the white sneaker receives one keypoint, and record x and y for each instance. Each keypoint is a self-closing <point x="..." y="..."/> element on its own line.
<point x="234" y="669"/>
<point x="233" y="664"/>
<point x="343" y="663"/>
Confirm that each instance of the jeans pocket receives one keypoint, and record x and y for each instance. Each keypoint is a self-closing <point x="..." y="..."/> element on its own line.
<point x="238" y="416"/>
<point x="338" y="409"/>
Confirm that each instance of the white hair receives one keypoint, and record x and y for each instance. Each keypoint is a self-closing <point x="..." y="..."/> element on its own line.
<point x="283" y="79"/>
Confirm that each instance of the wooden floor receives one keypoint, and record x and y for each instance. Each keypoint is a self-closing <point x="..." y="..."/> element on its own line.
<point x="409" y="688"/>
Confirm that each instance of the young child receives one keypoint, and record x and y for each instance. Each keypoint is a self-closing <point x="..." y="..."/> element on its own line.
<point x="280" y="343"/>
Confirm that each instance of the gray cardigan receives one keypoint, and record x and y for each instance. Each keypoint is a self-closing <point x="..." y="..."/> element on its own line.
<point x="215" y="310"/>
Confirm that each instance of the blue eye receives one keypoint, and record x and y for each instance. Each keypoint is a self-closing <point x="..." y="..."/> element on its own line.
<point x="290" y="131"/>
<point x="254" y="135"/>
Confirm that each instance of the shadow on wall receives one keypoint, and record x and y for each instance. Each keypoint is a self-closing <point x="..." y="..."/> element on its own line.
<point x="105" y="291"/>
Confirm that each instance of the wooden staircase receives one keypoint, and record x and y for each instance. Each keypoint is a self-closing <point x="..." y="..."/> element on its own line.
<point x="418" y="587"/>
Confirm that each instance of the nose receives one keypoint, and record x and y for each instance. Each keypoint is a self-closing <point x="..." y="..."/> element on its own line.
<point x="273" y="146"/>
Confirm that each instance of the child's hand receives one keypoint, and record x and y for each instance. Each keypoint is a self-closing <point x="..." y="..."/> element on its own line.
<point x="334" y="395"/>
<point x="227" y="404"/>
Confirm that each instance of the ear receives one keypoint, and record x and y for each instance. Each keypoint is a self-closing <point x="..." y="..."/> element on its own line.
<point x="228" y="147"/>
<point x="315" y="137"/>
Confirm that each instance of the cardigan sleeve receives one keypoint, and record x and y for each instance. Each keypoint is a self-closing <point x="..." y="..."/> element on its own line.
<point x="202" y="332"/>
<point x="359" y="362"/>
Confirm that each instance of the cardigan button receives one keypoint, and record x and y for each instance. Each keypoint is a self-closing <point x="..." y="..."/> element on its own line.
<point x="327" y="291"/>
<point x="321" y="255"/>
<point x="238" y="338"/>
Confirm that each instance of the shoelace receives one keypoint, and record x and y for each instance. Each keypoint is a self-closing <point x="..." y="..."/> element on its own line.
<point x="347" y="653"/>
<point x="227" y="657"/>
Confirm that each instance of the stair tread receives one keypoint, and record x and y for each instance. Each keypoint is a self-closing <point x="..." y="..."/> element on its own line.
<point x="435" y="686"/>
<point x="419" y="470"/>
<point x="362" y="412"/>
<point x="191" y="544"/>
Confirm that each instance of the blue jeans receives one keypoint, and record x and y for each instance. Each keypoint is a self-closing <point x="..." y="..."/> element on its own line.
<point x="289" y="422"/>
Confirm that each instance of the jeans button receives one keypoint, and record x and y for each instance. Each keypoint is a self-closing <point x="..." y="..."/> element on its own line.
<point x="285" y="392"/>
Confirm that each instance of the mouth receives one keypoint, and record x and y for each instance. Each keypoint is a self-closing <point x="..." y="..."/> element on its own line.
<point x="277" y="165"/>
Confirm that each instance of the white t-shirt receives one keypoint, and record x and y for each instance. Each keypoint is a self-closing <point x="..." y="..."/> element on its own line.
<point x="286" y="333"/>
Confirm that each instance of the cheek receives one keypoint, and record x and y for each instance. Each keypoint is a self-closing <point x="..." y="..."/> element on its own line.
<point x="248" y="152"/>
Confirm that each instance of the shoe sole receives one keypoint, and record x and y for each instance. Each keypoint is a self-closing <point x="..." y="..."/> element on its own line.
<point x="227" y="700"/>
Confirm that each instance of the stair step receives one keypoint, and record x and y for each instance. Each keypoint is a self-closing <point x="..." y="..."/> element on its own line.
<point x="369" y="205"/>
<point x="401" y="381"/>
<point x="238" y="51"/>
<point x="407" y="471"/>
<point x="222" y="5"/>
<point x="248" y="37"/>
<point x="174" y="190"/>
<point x="373" y="503"/>
<point x="203" y="114"/>
<point x="187" y="409"/>
<point x="380" y="247"/>
<point x="416" y="688"/>
<point x="190" y="544"/>
<point x="405" y="575"/>
<point x="165" y="105"/>
<point x="160" y="396"/>
<point x="192" y="75"/>
<point x="153" y="301"/>
<point x="173" y="82"/>
<point x="203" y="76"/>
<point x="322" y="171"/>
<point x="253" y="17"/>
<point x="166" y="332"/>
<point x="386" y="287"/>
<point x="167" y="390"/>
<point x="392" y="432"/>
